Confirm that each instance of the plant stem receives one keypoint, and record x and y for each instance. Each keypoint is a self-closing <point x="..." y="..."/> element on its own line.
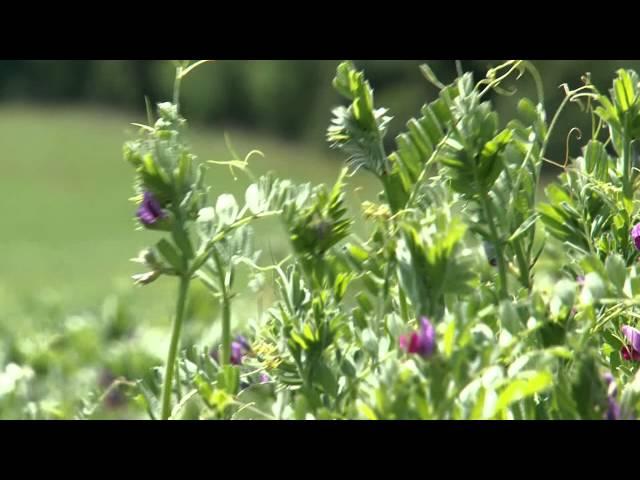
<point x="226" y="330"/>
<point x="226" y="310"/>
<point x="176" y="87"/>
<point x="173" y="347"/>
<point x="523" y="266"/>
<point x="627" y="174"/>
<point x="404" y="309"/>
<point x="502" y="268"/>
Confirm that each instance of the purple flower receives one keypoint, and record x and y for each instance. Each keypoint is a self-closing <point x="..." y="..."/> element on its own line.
<point x="608" y="378"/>
<point x="236" y="353"/>
<point x="244" y="344"/>
<point x="635" y="235"/>
<point x="264" y="378"/>
<point x="631" y="351"/>
<point x="422" y="342"/>
<point x="239" y="348"/>
<point x="150" y="210"/>
<point x="613" y="409"/>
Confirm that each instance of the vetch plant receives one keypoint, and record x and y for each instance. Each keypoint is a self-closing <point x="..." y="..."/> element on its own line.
<point x="469" y="297"/>
<point x="171" y="197"/>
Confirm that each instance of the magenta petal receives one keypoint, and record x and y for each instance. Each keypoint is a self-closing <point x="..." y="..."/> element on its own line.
<point x="633" y="336"/>
<point x="635" y="235"/>
<point x="421" y="342"/>
<point x="629" y="354"/>
<point x="414" y="343"/>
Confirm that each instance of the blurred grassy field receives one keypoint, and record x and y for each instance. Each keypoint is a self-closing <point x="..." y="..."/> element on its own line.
<point x="68" y="229"/>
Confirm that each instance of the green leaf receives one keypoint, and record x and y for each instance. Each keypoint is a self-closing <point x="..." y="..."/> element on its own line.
<point x="340" y="285"/>
<point x="630" y="399"/>
<point x="528" y="110"/>
<point x="299" y="340"/>
<point x="206" y="214"/>
<point x="347" y="368"/>
<point x="308" y="333"/>
<point x="170" y="254"/>
<point x="563" y="298"/>
<point x="594" y="289"/>
<point x="326" y="378"/>
<point x="625" y="91"/>
<point x="429" y="75"/>
<point x="524" y="227"/>
<point x="596" y="160"/>
<point x="253" y="199"/>
<point x="359" y="129"/>
<point x="229" y="379"/>
<point x="182" y="240"/>
<point x="366" y="410"/>
<point x="226" y="209"/>
<point x="509" y="317"/>
<point x="616" y="271"/>
<point x="523" y="387"/>
<point x="448" y="339"/>
<point x="370" y="342"/>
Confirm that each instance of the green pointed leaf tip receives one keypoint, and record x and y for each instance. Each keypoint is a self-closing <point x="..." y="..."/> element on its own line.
<point x="358" y="130"/>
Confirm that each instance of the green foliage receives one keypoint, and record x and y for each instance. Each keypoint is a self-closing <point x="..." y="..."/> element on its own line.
<point x="452" y="306"/>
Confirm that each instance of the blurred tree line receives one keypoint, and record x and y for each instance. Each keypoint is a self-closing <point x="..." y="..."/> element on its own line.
<point x="288" y="98"/>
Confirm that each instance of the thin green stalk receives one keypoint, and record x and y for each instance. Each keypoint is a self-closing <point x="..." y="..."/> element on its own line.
<point x="226" y="311"/>
<point x="226" y="330"/>
<point x="502" y="268"/>
<point x="383" y="295"/>
<point x="176" y="87"/>
<point x="173" y="347"/>
<point x="627" y="181"/>
<point x="404" y="308"/>
<point x="523" y="266"/>
<point x="178" y="386"/>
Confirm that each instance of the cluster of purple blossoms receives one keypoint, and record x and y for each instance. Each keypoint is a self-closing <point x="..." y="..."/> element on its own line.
<point x="422" y="342"/>
<point x="150" y="210"/>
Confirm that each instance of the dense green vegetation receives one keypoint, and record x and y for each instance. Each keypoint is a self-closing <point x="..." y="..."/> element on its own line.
<point x="419" y="275"/>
